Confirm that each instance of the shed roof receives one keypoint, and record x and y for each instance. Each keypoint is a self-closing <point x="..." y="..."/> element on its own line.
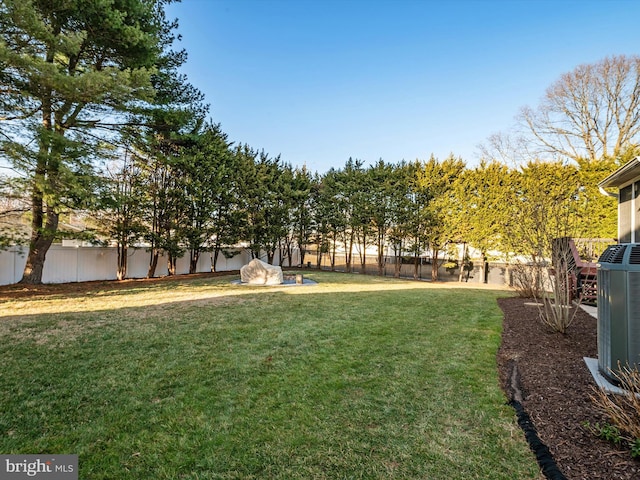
<point x="624" y="174"/>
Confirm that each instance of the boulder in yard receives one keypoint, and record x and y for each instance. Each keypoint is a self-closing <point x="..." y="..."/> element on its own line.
<point x="257" y="272"/>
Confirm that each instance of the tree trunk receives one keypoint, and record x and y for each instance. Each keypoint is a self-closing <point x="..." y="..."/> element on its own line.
<point x="289" y="252"/>
<point x="214" y="259"/>
<point x="485" y="269"/>
<point x="319" y="252"/>
<point x="194" y="256"/>
<point x="281" y="253"/>
<point x="302" y="252"/>
<point x="41" y="240"/>
<point x="462" y="262"/>
<point x="362" y="251"/>
<point x="434" y="266"/>
<point x="153" y="263"/>
<point x="171" y="264"/>
<point x="416" y="262"/>
<point x="121" y="272"/>
<point x="380" y="260"/>
<point x="349" y="255"/>
<point x="46" y="170"/>
<point x="332" y="256"/>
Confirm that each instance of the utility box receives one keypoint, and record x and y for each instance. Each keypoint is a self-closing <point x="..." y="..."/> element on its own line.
<point x="618" y="272"/>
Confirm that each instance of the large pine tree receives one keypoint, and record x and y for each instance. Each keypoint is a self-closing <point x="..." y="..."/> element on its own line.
<point x="70" y="71"/>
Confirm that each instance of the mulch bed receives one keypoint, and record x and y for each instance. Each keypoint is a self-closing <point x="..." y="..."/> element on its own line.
<point x="556" y="384"/>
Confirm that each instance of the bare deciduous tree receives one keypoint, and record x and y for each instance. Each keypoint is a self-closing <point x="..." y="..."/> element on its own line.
<point x="590" y="113"/>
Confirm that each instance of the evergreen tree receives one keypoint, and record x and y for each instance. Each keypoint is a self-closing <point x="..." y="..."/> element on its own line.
<point x="385" y="193"/>
<point x="332" y="206"/>
<point x="417" y="216"/>
<point x="68" y="72"/>
<point x="208" y="170"/>
<point x="434" y="183"/>
<point x="352" y="186"/>
<point x="600" y="211"/>
<point x="264" y="193"/>
<point x="302" y="211"/>
<point x="121" y="206"/>
<point x="481" y="207"/>
<point x="544" y="205"/>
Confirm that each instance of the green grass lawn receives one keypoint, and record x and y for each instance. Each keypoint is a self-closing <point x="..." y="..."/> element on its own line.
<point x="356" y="377"/>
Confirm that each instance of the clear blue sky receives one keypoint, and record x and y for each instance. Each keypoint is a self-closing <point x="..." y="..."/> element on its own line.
<point x="321" y="81"/>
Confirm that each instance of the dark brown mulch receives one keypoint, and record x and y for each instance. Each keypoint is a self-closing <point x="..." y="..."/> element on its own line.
<point x="556" y="384"/>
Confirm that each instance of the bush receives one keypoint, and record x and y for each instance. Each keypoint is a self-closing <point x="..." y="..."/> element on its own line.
<point x="622" y="410"/>
<point x="451" y="266"/>
<point x="526" y="280"/>
<point x="557" y="311"/>
<point x="555" y="287"/>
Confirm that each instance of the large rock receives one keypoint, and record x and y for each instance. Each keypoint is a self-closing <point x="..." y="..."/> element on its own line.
<point x="257" y="272"/>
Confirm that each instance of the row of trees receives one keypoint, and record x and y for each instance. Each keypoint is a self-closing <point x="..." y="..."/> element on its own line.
<point x="210" y="194"/>
<point x="198" y="192"/>
<point x="206" y="195"/>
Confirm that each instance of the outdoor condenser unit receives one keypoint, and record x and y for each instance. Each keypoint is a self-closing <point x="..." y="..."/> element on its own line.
<point x="618" y="308"/>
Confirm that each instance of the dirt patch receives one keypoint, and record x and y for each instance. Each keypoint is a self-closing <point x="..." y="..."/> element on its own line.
<point x="16" y="291"/>
<point x="555" y="385"/>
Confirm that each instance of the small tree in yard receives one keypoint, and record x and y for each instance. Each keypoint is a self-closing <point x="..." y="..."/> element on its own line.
<point x="480" y="207"/>
<point x="122" y="203"/>
<point x="207" y="166"/>
<point x="302" y="216"/>
<point x="384" y="194"/>
<point x="545" y="205"/>
<point x="556" y="311"/>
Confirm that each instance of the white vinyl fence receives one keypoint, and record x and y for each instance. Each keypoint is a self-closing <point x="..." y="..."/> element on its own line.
<point x="81" y="264"/>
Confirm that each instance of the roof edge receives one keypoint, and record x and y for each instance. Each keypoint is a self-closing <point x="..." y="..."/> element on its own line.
<point x="622" y="175"/>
